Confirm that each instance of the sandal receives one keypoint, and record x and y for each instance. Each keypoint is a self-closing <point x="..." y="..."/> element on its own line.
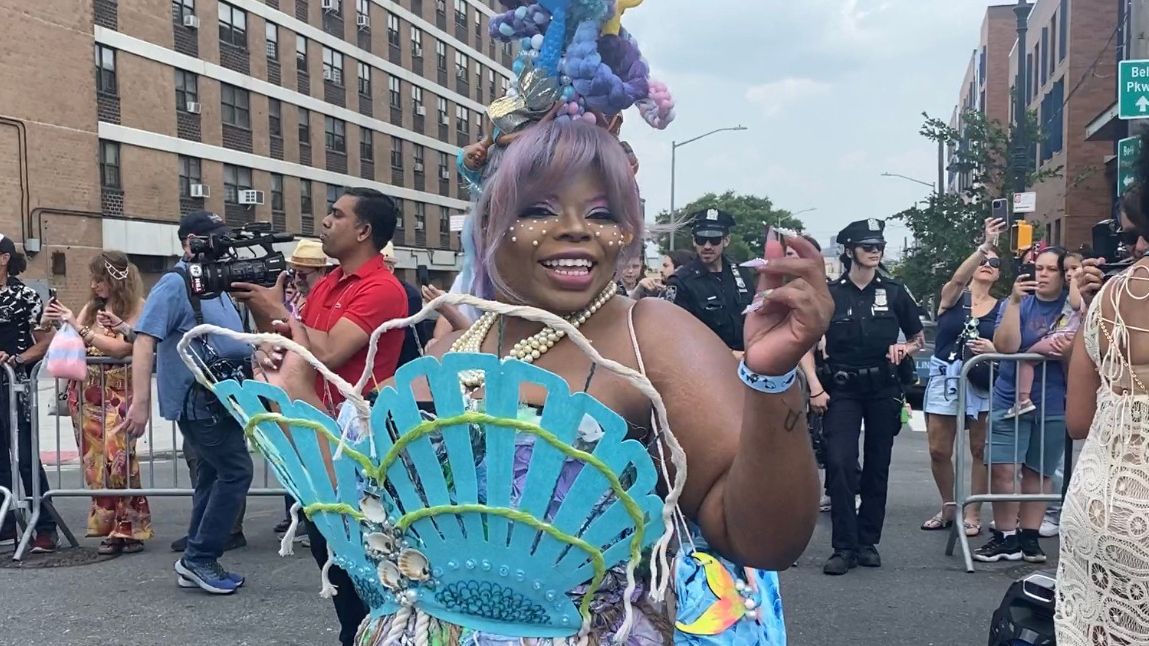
<point x="972" y="527"/>
<point x="110" y="547"/>
<point x="938" y="522"/>
<point x="133" y="546"/>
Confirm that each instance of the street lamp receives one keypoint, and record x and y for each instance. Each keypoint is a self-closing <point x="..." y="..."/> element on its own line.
<point x="674" y="146"/>
<point x="916" y="181"/>
<point x="793" y="215"/>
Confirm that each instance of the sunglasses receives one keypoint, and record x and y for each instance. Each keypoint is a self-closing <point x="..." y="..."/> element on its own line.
<point x="992" y="263"/>
<point x="871" y="248"/>
<point x="702" y="241"/>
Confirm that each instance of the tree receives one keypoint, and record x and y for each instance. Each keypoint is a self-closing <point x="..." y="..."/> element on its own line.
<point x="751" y="215"/>
<point x="948" y="227"/>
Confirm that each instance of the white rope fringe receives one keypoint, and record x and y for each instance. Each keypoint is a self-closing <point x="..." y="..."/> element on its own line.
<point x="327" y="589"/>
<point x="286" y="544"/>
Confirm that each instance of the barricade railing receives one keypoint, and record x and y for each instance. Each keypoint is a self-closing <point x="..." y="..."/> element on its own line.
<point x="963" y="495"/>
<point x="151" y="460"/>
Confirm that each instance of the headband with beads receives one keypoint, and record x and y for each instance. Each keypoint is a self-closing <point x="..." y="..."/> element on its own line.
<point x="575" y="61"/>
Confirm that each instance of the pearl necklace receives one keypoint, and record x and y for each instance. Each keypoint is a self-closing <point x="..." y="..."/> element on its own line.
<point x="529" y="349"/>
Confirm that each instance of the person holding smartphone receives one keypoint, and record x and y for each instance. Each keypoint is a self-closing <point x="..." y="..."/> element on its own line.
<point x="1034" y="440"/>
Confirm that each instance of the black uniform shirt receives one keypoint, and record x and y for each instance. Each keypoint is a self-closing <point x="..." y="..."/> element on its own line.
<point x="866" y="321"/>
<point x="715" y="298"/>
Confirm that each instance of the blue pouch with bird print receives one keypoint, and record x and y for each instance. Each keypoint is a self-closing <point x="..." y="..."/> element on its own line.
<point x="721" y="603"/>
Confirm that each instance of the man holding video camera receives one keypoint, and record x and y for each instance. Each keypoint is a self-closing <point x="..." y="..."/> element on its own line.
<point x="342" y="311"/>
<point x="225" y="466"/>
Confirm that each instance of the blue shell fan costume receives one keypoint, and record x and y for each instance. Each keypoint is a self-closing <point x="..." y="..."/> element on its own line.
<point x="489" y="522"/>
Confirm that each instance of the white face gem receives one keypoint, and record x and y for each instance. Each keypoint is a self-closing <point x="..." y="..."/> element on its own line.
<point x="514" y="239"/>
<point x="534" y="243"/>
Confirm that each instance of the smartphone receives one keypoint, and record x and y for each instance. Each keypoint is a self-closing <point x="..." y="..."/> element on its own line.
<point x="1028" y="269"/>
<point x="423" y="275"/>
<point x="51" y="294"/>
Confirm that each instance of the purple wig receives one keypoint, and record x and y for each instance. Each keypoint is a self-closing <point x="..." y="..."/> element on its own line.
<point x="541" y="157"/>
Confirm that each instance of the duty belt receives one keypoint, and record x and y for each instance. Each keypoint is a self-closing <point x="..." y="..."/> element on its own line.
<point x="854" y="379"/>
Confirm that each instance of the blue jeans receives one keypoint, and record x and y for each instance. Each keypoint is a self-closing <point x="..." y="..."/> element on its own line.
<point x="225" y="473"/>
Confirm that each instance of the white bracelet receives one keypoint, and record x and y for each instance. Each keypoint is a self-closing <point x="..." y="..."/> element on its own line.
<point x="765" y="383"/>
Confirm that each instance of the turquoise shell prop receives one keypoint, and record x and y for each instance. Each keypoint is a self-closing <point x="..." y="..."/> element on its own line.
<point x="425" y="511"/>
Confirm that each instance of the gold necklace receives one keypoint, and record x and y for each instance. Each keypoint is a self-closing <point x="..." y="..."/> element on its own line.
<point x="529" y="349"/>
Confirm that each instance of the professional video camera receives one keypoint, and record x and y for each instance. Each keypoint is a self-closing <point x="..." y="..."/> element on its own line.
<point x="1115" y="245"/>
<point x="215" y="265"/>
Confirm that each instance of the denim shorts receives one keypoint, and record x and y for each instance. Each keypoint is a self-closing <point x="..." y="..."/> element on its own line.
<point x="1019" y="441"/>
<point x="941" y="397"/>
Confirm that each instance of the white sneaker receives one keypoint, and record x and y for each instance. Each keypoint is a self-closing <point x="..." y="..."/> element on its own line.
<point x="1049" y="529"/>
<point x="824" y="503"/>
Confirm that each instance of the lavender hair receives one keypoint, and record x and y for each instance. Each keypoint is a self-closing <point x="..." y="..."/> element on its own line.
<point x="541" y="157"/>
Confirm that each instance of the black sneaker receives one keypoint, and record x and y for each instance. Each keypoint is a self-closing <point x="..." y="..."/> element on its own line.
<point x="282" y="526"/>
<point x="840" y="562"/>
<point x="999" y="548"/>
<point x="1031" y="546"/>
<point x="180" y="544"/>
<point x="868" y="556"/>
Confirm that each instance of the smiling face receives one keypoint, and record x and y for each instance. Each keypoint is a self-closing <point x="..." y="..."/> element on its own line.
<point x="561" y="251"/>
<point x="1049" y="276"/>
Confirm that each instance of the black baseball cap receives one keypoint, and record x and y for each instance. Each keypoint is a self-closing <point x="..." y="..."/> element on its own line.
<point x="201" y="223"/>
<point x="7" y="245"/>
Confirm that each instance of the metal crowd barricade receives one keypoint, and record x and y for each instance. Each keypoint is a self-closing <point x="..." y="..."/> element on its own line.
<point x="963" y="495"/>
<point x="151" y="460"/>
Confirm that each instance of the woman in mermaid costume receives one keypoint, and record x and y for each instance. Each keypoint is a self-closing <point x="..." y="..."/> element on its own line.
<point x="529" y="483"/>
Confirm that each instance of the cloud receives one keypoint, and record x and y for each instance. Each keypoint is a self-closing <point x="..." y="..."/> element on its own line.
<point x="774" y="97"/>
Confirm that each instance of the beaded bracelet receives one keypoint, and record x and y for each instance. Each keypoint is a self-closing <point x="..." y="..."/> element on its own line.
<point x="765" y="383"/>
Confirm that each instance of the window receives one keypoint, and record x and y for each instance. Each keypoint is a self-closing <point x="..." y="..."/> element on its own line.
<point x="276" y="192"/>
<point x="420" y="216"/>
<point x="333" y="193"/>
<point x="444" y="223"/>
<point x="110" y="164"/>
<point x="332" y="66"/>
<point x="305" y="196"/>
<point x="461" y="64"/>
<point x="442" y="110"/>
<point x="1044" y="55"/>
<point x="364" y="79"/>
<point x="301" y="53"/>
<point x="393" y="30"/>
<point x="362" y="8"/>
<point x="190" y="173"/>
<point x="420" y="151"/>
<point x="366" y="145"/>
<point x="105" y="70"/>
<point x="395" y="86"/>
<point x="440" y="55"/>
<point x="304" y="127"/>
<point x="417" y="96"/>
<point x="236" y="106"/>
<point x="235" y="179"/>
<point x="271" y="35"/>
<point x="396" y="153"/>
<point x="399" y="211"/>
<point x="444" y="166"/>
<point x="275" y="117"/>
<point x="187" y="89"/>
<point x="491" y="80"/>
<point x="478" y="76"/>
<point x="1063" y="30"/>
<point x="334" y="134"/>
<point x="461" y="13"/>
<point x="462" y="119"/>
<point x="505" y="84"/>
<point x="182" y="8"/>
<point x="416" y="42"/>
<point x="232" y="26"/>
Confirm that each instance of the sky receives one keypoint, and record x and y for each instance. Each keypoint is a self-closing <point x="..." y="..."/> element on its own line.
<point x="831" y="91"/>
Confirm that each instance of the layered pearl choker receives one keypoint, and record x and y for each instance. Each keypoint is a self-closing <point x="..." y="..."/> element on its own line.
<point x="529" y="349"/>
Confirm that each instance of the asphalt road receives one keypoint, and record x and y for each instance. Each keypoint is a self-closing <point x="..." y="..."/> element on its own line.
<point x="920" y="597"/>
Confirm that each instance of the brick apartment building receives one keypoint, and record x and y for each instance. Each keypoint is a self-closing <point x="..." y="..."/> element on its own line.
<point x="118" y="116"/>
<point x="1071" y="68"/>
<point x="985" y="87"/>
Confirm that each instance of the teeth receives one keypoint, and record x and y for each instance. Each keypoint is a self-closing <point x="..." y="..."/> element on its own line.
<point x="568" y="262"/>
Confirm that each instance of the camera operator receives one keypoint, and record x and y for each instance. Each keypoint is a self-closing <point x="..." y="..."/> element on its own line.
<point x="344" y="308"/>
<point x="210" y="432"/>
<point x="22" y="343"/>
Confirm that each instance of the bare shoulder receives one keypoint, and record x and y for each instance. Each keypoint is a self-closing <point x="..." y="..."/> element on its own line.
<point x="671" y="338"/>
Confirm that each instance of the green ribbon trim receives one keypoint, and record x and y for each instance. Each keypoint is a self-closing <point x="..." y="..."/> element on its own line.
<point x="333" y="507"/>
<point x="517" y="516"/>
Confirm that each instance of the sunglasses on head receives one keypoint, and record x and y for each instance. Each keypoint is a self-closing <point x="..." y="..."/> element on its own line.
<point x="872" y="247"/>
<point x="702" y="241"/>
<point x="992" y="263"/>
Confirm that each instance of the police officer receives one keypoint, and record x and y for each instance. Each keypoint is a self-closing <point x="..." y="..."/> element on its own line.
<point x="711" y="287"/>
<point x="861" y="376"/>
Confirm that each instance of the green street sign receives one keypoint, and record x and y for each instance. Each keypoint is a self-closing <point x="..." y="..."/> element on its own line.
<point x="1128" y="152"/>
<point x="1133" y="90"/>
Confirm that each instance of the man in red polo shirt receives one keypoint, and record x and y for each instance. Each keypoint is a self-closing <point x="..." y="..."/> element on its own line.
<point x="341" y="312"/>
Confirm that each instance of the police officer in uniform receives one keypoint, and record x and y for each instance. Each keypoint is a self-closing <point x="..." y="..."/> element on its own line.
<point x="711" y="287"/>
<point x="864" y="383"/>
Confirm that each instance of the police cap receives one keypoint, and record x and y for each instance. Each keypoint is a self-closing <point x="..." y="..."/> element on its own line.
<point x="711" y="222"/>
<point x="863" y="232"/>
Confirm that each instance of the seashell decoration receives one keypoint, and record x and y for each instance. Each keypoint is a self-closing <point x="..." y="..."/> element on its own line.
<point x="389" y="575"/>
<point x="372" y="509"/>
<point x="413" y="565"/>
<point x="380" y="543"/>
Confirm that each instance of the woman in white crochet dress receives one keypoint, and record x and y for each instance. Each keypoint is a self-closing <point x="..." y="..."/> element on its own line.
<point x="1103" y="577"/>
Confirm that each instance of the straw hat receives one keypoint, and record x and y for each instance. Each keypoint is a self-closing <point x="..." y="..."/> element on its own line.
<point x="389" y="252"/>
<point x="308" y="253"/>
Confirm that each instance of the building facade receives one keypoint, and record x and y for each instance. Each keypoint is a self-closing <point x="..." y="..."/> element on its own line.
<point x="121" y="115"/>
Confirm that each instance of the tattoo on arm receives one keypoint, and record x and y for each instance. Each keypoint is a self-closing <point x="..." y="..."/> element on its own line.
<point x="918" y="340"/>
